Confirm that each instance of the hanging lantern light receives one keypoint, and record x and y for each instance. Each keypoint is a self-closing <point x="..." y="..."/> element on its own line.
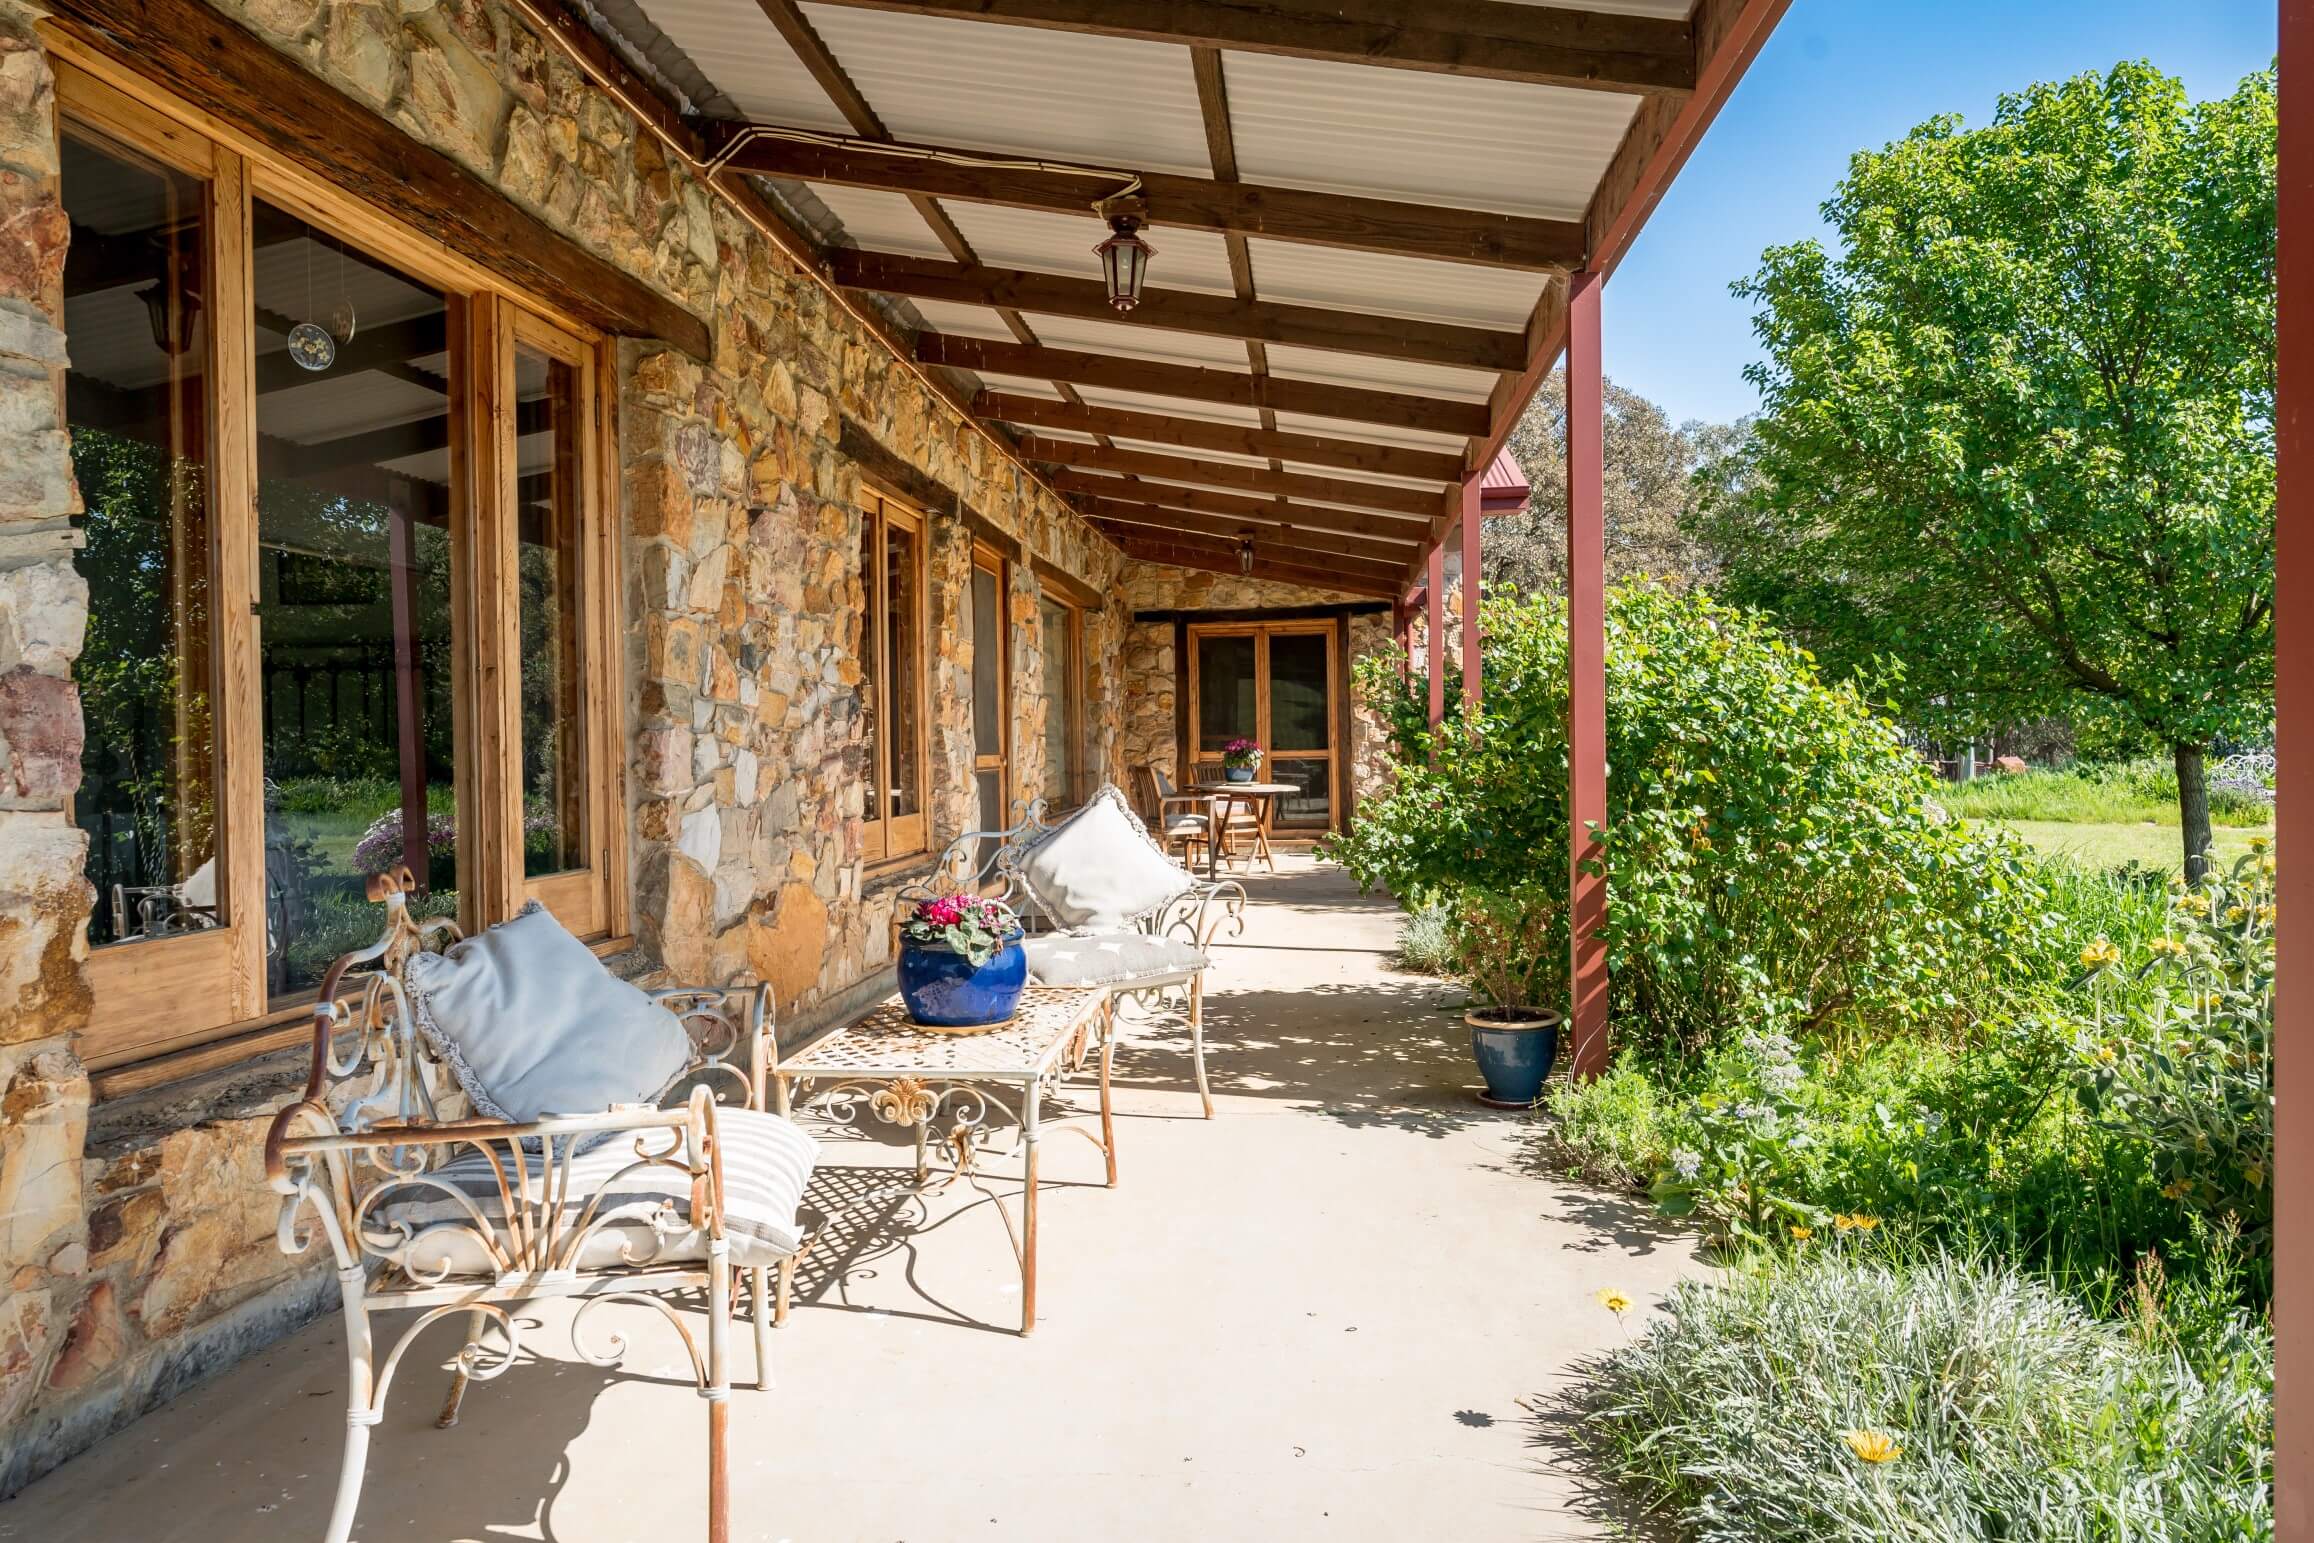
<point x="1124" y="261"/>
<point x="1245" y="555"/>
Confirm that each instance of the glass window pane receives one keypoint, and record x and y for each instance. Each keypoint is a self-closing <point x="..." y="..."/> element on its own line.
<point x="871" y="688"/>
<point x="137" y="402"/>
<point x="1225" y="693"/>
<point x="356" y="489"/>
<point x="1313" y="804"/>
<point x="1060" y="787"/>
<point x="548" y="499"/>
<point x="987" y="663"/>
<point x="903" y="665"/>
<point x="1298" y="716"/>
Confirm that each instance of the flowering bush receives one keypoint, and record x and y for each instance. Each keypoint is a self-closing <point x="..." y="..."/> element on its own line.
<point x="1744" y="1172"/>
<point x="1240" y="754"/>
<point x="2178" y="1051"/>
<point x="962" y="924"/>
<point x="381" y="847"/>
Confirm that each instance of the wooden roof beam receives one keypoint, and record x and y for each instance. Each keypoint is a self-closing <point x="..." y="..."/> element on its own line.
<point x="1349" y="522"/>
<point x="1120" y="512"/>
<point x="1231" y="438"/>
<point x="1196" y="383"/>
<point x="1182" y="310"/>
<point x="1548" y="45"/>
<point x="1222" y="557"/>
<point x="1415" y="503"/>
<point x="1297" y="215"/>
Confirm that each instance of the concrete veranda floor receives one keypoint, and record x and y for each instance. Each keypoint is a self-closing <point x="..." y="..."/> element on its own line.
<point x="1314" y="1316"/>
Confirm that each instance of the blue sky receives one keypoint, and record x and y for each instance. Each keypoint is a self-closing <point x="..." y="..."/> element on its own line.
<point x="1838" y="76"/>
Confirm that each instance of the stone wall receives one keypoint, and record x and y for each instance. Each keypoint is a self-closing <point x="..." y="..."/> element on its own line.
<point x="1153" y="674"/>
<point x="137" y="1242"/>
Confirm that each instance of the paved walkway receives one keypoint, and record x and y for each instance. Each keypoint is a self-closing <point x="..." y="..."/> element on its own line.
<point x="1313" y="1317"/>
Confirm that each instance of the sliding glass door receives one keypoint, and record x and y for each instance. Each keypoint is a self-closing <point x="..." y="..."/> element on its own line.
<point x="1276" y="684"/>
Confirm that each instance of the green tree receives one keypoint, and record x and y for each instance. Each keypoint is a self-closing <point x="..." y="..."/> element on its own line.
<point x="2018" y="429"/>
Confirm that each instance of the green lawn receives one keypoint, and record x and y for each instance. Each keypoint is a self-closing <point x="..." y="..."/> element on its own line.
<point x="2108" y="845"/>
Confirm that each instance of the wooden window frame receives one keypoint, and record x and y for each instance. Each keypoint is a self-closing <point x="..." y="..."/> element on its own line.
<point x="1072" y="678"/>
<point x="1335" y="754"/>
<point x="138" y="1031"/>
<point x="988" y="559"/>
<point x="891" y="839"/>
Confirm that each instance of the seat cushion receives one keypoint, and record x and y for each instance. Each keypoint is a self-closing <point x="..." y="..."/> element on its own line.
<point x="1110" y="959"/>
<point x="531" y="1024"/>
<point x="1099" y="870"/>
<point x="766" y="1163"/>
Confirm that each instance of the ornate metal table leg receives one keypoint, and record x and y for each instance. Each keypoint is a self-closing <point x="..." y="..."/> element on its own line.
<point x="475" y="1323"/>
<point x="1031" y="1097"/>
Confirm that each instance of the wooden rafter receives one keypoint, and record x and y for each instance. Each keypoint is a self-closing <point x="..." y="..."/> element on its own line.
<point x="1197" y="383"/>
<point x="1230" y="438"/>
<point x="1271" y="544"/>
<point x="1383" y="497"/>
<point x="1121" y="512"/>
<point x="1545" y="44"/>
<point x="1221" y="557"/>
<point x="1222" y="205"/>
<point x="1181" y="310"/>
<point x="1351" y="522"/>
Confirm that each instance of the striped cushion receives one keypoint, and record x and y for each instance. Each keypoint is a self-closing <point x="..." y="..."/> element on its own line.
<point x="1110" y="959"/>
<point x="766" y="1163"/>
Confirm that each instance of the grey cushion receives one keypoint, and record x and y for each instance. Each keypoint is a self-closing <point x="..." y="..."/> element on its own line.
<point x="531" y="1023"/>
<point x="1099" y="870"/>
<point x="646" y="1212"/>
<point x="1110" y="959"/>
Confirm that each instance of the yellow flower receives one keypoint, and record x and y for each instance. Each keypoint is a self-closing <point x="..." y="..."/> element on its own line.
<point x="2166" y="945"/>
<point x="2266" y="913"/>
<point x="1873" y="1446"/>
<point x="2194" y="905"/>
<point x="2106" y="1055"/>
<point x="1802" y="1234"/>
<point x="1863" y="1223"/>
<point x="2177" y="1189"/>
<point x="2259" y="843"/>
<point x="2266" y="866"/>
<point x="2099" y="954"/>
<point x="1614" y="1301"/>
<point x="2256" y="1174"/>
<point x="2235" y="913"/>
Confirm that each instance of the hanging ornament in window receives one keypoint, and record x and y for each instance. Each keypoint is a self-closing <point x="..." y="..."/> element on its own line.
<point x="310" y="343"/>
<point x="1245" y="555"/>
<point x="343" y="320"/>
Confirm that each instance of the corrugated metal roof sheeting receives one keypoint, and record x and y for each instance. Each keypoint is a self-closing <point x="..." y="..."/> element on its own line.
<point x="1045" y="242"/>
<point x="736" y="48"/>
<point x="1170" y="406"/>
<point x="1134" y="342"/>
<point x="1220" y="457"/>
<point x="971" y="321"/>
<point x="1669" y="10"/>
<point x="1376" y="374"/>
<point x="1380" y="434"/>
<point x="1444" y="139"/>
<point x="1383" y="478"/>
<point x="880" y="221"/>
<point x="1391" y="285"/>
<point x="1018" y="385"/>
<point x="1019" y="89"/>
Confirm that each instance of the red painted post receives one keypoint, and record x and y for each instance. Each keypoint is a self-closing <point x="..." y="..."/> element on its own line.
<point x="1434" y="634"/>
<point x="2294" y="792"/>
<point x="1470" y="519"/>
<point x="1586" y="674"/>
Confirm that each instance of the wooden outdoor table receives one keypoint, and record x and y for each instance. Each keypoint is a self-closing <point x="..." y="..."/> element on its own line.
<point x="912" y="1076"/>
<point x="1264" y="797"/>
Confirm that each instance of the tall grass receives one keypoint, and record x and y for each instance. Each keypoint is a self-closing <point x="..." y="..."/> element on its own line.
<point x="1751" y="1409"/>
<point x="2085" y="794"/>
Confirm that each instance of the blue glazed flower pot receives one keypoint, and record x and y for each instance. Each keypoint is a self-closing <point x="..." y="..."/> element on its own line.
<point x="945" y="990"/>
<point x="1514" y="1055"/>
<point x="1237" y="773"/>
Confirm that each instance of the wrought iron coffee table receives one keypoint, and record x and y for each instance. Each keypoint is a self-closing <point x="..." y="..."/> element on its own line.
<point x="915" y="1077"/>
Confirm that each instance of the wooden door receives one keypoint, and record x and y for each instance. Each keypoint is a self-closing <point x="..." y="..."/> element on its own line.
<point x="1275" y="683"/>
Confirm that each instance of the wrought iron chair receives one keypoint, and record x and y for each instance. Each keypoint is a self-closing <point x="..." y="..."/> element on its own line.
<point x="555" y="1213"/>
<point x="988" y="863"/>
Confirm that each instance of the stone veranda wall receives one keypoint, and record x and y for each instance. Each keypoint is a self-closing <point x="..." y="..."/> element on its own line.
<point x="137" y="1241"/>
<point x="1152" y="673"/>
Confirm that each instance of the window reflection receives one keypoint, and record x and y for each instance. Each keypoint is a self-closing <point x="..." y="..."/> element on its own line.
<point x="357" y="486"/>
<point x="137" y="402"/>
<point x="547" y="502"/>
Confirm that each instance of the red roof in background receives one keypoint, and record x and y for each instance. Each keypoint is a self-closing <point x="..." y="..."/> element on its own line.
<point x="1504" y="488"/>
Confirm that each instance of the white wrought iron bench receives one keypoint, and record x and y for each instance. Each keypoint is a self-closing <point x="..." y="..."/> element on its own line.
<point x="1159" y="953"/>
<point x="461" y="1216"/>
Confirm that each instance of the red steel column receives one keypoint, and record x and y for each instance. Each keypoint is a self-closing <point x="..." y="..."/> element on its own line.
<point x="1434" y="634"/>
<point x="2294" y="793"/>
<point x="1586" y="673"/>
<point x="1470" y="519"/>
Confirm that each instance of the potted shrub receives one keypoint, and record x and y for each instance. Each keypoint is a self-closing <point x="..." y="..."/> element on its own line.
<point x="1511" y="946"/>
<point x="961" y="964"/>
<point x="1240" y="759"/>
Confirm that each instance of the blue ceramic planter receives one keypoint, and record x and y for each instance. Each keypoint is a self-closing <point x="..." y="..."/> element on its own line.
<point x="945" y="990"/>
<point x="1237" y="773"/>
<point x="1514" y="1057"/>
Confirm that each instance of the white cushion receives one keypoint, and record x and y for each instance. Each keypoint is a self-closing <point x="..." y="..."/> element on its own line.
<point x="1099" y="870"/>
<point x="646" y="1212"/>
<point x="531" y="1023"/>
<point x="1110" y="959"/>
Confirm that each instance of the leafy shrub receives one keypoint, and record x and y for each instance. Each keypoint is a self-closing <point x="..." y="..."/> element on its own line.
<point x="1775" y="861"/>
<point x="1846" y="1393"/>
<point x="2178" y="1052"/>
<point x="1745" y="1171"/>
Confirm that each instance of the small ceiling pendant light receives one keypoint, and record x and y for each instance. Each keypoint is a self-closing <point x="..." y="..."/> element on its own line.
<point x="173" y="309"/>
<point x="1124" y="260"/>
<point x="1245" y="555"/>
